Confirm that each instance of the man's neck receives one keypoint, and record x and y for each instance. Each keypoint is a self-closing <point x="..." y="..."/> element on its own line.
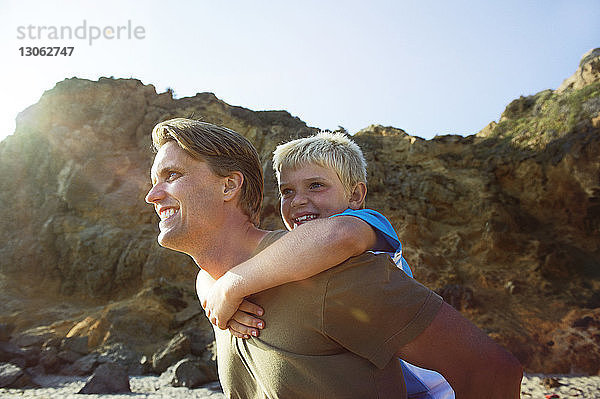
<point x="230" y="247"/>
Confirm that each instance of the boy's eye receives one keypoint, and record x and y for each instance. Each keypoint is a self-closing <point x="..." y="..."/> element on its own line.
<point x="285" y="192"/>
<point x="315" y="185"/>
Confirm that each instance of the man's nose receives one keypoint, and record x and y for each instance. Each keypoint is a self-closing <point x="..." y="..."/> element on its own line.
<point x="155" y="194"/>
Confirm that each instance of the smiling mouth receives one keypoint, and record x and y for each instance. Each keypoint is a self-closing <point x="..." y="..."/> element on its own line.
<point x="167" y="213"/>
<point x="305" y="218"/>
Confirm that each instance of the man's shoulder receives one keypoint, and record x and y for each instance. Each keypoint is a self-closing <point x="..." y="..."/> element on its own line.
<point x="272" y="236"/>
<point x="370" y="258"/>
<point x="269" y="239"/>
<point x="367" y="258"/>
<point x="364" y="267"/>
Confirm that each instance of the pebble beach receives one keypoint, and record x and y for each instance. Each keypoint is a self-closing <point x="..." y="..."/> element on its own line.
<point x="560" y="386"/>
<point x="534" y="386"/>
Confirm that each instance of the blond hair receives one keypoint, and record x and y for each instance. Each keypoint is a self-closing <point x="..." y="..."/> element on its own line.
<point x="224" y="150"/>
<point x="331" y="150"/>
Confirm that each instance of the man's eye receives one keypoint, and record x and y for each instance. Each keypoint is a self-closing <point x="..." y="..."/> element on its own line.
<point x="172" y="176"/>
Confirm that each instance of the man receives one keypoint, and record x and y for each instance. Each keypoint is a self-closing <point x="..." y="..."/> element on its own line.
<point x="333" y="335"/>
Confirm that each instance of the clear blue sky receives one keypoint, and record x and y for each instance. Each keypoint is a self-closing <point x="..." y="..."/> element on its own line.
<point x="428" y="67"/>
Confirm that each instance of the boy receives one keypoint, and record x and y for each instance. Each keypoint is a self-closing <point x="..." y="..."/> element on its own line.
<point x="319" y="177"/>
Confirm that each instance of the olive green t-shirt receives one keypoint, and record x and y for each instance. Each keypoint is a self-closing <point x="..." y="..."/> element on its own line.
<point x="333" y="335"/>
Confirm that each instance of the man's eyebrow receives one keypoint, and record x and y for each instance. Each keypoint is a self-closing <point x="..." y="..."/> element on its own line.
<point x="165" y="169"/>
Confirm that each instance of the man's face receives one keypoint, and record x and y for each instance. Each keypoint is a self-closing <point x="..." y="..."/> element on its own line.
<point x="310" y="192"/>
<point x="185" y="194"/>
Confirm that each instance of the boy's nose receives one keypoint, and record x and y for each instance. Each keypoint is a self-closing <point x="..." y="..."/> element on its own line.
<point x="298" y="200"/>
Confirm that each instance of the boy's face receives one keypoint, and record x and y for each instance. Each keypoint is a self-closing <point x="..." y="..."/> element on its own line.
<point x="310" y="192"/>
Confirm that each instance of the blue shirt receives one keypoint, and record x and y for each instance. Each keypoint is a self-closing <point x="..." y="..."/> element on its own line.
<point x="384" y="230"/>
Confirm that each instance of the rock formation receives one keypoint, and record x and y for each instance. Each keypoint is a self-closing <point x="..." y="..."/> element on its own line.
<point x="587" y="73"/>
<point x="506" y="223"/>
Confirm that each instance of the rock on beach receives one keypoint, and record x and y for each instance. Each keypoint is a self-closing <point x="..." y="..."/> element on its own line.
<point x="151" y="387"/>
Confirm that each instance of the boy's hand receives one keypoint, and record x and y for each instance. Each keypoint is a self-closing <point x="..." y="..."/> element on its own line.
<point x="221" y="303"/>
<point x="243" y="324"/>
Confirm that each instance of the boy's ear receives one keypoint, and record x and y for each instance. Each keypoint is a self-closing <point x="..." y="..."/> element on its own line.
<point x="357" y="197"/>
<point x="232" y="185"/>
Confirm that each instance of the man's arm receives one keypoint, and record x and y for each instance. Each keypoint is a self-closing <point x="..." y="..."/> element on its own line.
<point x="307" y="250"/>
<point x="474" y="365"/>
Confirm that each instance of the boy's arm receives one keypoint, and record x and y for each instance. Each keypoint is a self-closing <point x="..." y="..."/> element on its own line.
<point x="204" y="282"/>
<point x="307" y="250"/>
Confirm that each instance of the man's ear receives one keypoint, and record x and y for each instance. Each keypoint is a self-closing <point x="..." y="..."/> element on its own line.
<point x="233" y="185"/>
<point x="357" y="197"/>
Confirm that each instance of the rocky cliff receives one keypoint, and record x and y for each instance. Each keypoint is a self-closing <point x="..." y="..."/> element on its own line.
<point x="505" y="224"/>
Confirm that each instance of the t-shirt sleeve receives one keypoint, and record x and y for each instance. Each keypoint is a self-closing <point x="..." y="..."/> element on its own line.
<point x="372" y="308"/>
<point x="382" y="227"/>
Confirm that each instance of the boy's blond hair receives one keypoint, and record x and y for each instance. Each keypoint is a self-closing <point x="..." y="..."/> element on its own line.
<point x="329" y="150"/>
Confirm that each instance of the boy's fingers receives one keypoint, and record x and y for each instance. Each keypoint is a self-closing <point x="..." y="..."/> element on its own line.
<point x="215" y="321"/>
<point x="218" y="323"/>
<point x="242" y="331"/>
<point x="238" y="334"/>
<point x="247" y="320"/>
<point x="221" y="324"/>
<point x="252" y="308"/>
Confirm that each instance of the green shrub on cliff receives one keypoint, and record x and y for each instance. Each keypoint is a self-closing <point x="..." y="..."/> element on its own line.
<point x="535" y="121"/>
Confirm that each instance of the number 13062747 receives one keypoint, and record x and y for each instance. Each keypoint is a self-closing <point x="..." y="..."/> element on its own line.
<point x="46" y="51"/>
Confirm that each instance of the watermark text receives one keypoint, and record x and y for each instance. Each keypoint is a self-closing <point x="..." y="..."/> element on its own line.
<point x="90" y="33"/>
